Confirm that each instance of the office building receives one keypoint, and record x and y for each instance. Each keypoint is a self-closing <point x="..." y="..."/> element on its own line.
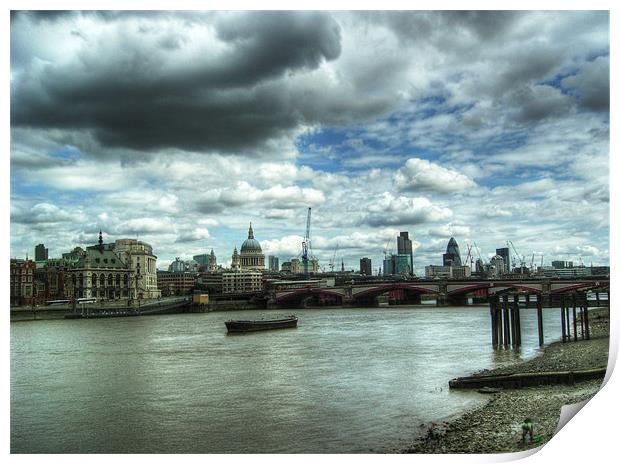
<point x="366" y="266"/>
<point x="404" y="247"/>
<point x="561" y="264"/>
<point x="452" y="256"/>
<point x="447" y="272"/>
<point x="505" y="254"/>
<point x="176" y="283"/>
<point x="40" y="252"/>
<point x="249" y="281"/>
<point x="274" y="263"/>
<point x="202" y="260"/>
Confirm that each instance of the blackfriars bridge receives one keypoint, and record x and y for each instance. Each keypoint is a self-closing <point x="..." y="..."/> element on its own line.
<point x="444" y="292"/>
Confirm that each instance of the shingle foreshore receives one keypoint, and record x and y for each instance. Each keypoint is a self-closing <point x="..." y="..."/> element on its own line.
<point x="495" y="427"/>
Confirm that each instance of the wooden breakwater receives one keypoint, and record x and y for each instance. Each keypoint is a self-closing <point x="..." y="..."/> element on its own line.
<point x="527" y="379"/>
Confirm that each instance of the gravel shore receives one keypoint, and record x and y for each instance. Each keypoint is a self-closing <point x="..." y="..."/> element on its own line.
<point x="495" y="427"/>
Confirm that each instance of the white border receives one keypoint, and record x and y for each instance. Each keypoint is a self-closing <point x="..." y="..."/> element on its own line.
<point x="589" y="437"/>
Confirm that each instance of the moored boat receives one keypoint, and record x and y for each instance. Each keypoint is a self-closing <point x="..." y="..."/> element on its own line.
<point x="260" y="324"/>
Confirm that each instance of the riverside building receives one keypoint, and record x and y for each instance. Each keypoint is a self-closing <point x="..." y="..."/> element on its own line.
<point x="100" y="273"/>
<point x="142" y="264"/>
<point x="249" y="281"/>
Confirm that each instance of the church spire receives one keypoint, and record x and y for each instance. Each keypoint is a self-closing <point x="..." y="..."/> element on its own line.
<point x="250" y="232"/>
<point x="100" y="238"/>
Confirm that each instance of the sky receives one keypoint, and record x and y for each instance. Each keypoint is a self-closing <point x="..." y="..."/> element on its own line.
<point x="182" y="127"/>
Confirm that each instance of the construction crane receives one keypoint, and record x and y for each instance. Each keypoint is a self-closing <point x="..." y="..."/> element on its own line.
<point x="386" y="248"/>
<point x="521" y="260"/>
<point x="470" y="257"/>
<point x="532" y="262"/>
<point x="478" y="251"/>
<point x="479" y="255"/>
<point x="578" y="255"/>
<point x="386" y="251"/>
<point x="332" y="262"/>
<point x="305" y="245"/>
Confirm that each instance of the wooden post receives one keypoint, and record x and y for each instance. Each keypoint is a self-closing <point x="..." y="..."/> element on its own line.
<point x="586" y="322"/>
<point x="500" y="333"/>
<point x="506" y="322"/>
<point x="574" y="317"/>
<point x="563" y="314"/>
<point x="598" y="299"/>
<point x="518" y="323"/>
<point x="493" y="308"/>
<point x="568" y="335"/>
<point x="513" y="318"/>
<point x="581" y="316"/>
<point x="541" y="336"/>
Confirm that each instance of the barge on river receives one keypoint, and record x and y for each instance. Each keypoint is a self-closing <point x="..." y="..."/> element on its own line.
<point x="261" y="324"/>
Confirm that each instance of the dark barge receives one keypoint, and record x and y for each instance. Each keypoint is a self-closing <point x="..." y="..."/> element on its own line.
<point x="256" y="325"/>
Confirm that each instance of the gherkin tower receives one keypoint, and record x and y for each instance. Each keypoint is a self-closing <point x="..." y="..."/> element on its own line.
<point x="452" y="256"/>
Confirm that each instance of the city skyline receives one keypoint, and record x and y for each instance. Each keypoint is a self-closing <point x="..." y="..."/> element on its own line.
<point x="182" y="127"/>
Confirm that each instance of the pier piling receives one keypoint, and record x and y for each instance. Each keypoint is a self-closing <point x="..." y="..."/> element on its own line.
<point x="505" y="312"/>
<point x="574" y="317"/>
<point x="541" y="336"/>
<point x="500" y="326"/>
<point x="506" y="321"/>
<point x="586" y="321"/>
<point x="493" y="310"/>
<point x="563" y="315"/>
<point x="518" y="322"/>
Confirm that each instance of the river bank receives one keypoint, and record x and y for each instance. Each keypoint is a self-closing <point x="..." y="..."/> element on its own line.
<point x="495" y="427"/>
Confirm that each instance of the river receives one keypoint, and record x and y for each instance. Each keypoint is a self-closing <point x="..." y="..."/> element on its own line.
<point x="353" y="380"/>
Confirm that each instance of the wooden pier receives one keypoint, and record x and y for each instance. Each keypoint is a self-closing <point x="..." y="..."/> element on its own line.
<point x="505" y="312"/>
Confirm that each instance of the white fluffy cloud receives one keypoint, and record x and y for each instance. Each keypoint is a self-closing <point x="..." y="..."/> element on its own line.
<point x="422" y="175"/>
<point x="243" y="193"/>
<point x="402" y="211"/>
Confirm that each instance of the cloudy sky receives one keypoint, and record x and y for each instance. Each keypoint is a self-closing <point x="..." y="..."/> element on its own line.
<point x="182" y="127"/>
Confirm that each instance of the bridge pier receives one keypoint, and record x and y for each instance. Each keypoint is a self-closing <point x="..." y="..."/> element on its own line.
<point x="441" y="300"/>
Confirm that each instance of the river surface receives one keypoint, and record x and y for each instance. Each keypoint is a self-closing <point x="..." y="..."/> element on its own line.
<point x="352" y="380"/>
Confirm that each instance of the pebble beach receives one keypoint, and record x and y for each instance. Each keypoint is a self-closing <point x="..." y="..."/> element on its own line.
<point x="495" y="427"/>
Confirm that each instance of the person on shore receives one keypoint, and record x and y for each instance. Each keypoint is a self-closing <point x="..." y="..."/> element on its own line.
<point x="527" y="429"/>
<point x="432" y="432"/>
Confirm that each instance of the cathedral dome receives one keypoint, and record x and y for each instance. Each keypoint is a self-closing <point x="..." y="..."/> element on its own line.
<point x="251" y="245"/>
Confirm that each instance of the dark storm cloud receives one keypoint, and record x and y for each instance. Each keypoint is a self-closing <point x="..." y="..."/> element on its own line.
<point x="432" y="26"/>
<point x="540" y="102"/>
<point x="41" y="15"/>
<point x="128" y="95"/>
<point x="591" y="84"/>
